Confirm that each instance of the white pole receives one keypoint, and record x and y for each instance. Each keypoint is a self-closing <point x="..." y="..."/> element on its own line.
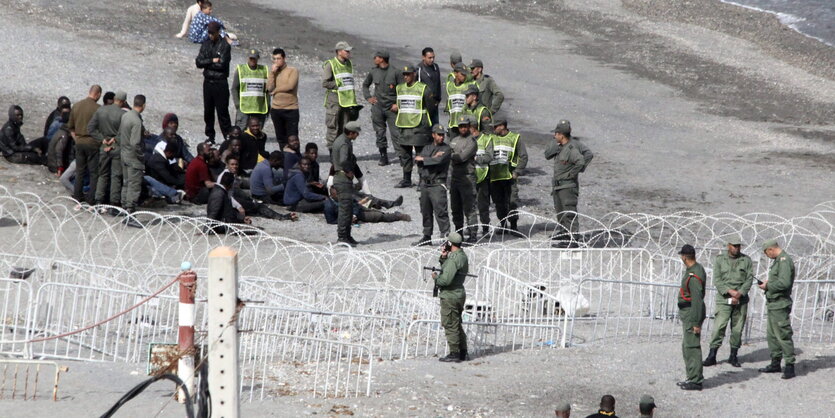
<point x="223" y="333"/>
<point x="185" y="339"/>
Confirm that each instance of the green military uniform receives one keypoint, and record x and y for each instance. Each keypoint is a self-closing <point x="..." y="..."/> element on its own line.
<point x="779" y="304"/>
<point x="345" y="169"/>
<point x="482" y="115"/>
<point x="249" y="92"/>
<point x="568" y="163"/>
<point x="133" y="157"/>
<point x="518" y="166"/>
<point x="462" y="185"/>
<point x="456" y="95"/>
<point x="501" y="174"/>
<point x="691" y="305"/>
<point x="340" y="97"/>
<point x="385" y="81"/>
<point x="450" y="282"/>
<point x="413" y="124"/>
<point x="483" y="157"/>
<point x="433" y="191"/>
<point x="490" y="95"/>
<point x="734" y="273"/>
<point x="102" y="126"/>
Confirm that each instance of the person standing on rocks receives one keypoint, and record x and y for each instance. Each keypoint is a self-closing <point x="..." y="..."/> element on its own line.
<point x="491" y="95"/>
<point x="568" y="163"/>
<point x="433" y="162"/>
<point x="691" y="306"/>
<point x="345" y="169"/>
<point x="283" y="85"/>
<point x="462" y="186"/>
<point x="249" y="90"/>
<point x="214" y="58"/>
<point x="340" y="97"/>
<point x="104" y="128"/>
<point x="413" y="123"/>
<point x="385" y="80"/>
<point x="450" y="283"/>
<point x="778" y="296"/>
<point x="733" y="275"/>
<point x="429" y="73"/>
<point x="132" y="152"/>
<point x="86" y="147"/>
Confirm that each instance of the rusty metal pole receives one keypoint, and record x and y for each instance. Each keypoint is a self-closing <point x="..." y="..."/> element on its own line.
<point x="185" y="340"/>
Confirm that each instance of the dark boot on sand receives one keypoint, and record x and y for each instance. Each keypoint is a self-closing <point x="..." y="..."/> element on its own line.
<point x="384" y="157"/>
<point x="774" y="367"/>
<point x="711" y="358"/>
<point x="788" y="372"/>
<point x="733" y="359"/>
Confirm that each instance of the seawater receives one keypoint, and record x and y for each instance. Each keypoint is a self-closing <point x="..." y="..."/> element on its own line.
<point x="813" y="18"/>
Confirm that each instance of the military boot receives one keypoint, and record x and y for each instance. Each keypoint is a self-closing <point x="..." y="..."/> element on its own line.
<point x="464" y="357"/>
<point x="425" y="240"/>
<point x="472" y="236"/>
<point x="711" y="358"/>
<point x="384" y="157"/>
<point x="406" y="182"/>
<point x="388" y="204"/>
<point x="774" y="367"/>
<point x="451" y="358"/>
<point x="788" y="372"/>
<point x="733" y="359"/>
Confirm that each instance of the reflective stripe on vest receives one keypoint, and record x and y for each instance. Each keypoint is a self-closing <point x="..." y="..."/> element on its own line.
<point x="343" y="75"/>
<point x="481" y="170"/>
<point x="457" y="100"/>
<point x="478" y="113"/>
<point x="252" y="89"/>
<point x="504" y="155"/>
<point x="410" y="108"/>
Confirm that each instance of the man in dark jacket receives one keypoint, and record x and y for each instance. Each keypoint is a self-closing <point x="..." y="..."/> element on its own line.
<point x="170" y="120"/>
<point x="59" y="155"/>
<point x="220" y="208"/>
<point x="13" y="144"/>
<point x="214" y="58"/>
<point x="429" y="74"/>
<point x="254" y="142"/>
<point x="62" y="101"/>
<point x="161" y="167"/>
<point x="297" y="193"/>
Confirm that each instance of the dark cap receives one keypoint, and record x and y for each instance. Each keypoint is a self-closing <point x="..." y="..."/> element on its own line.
<point x="253" y="53"/>
<point x="460" y="68"/>
<point x="406" y="69"/>
<point x="472" y="89"/>
<point x="476" y="63"/>
<point x="213" y="27"/>
<point x="456" y="58"/>
<point x="382" y="54"/>
<point x="687" y="249"/>
<point x="465" y="120"/>
<point x="497" y="122"/>
<point x="647" y="402"/>
<point x="563" y="127"/>
<point x="770" y="244"/>
<point x="438" y="129"/>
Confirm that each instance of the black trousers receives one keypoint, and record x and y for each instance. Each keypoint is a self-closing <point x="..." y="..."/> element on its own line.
<point x="286" y="123"/>
<point x="309" y="206"/>
<point x="216" y="99"/>
<point x="500" y="194"/>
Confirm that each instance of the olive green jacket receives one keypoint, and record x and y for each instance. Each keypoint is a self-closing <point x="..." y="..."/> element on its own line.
<point x="692" y="292"/>
<point x="778" y="292"/>
<point x="732" y="273"/>
<point x="568" y="163"/>
<point x="454" y="269"/>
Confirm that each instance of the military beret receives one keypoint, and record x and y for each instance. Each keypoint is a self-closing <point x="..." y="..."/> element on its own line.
<point x="687" y="249"/>
<point x="465" y="120"/>
<point x="455" y="238"/>
<point x="648" y="401"/>
<point x="497" y="122"/>
<point x="460" y="68"/>
<point x="770" y="244"/>
<point x="343" y="46"/>
<point x="120" y="95"/>
<point x="472" y="89"/>
<point x="438" y="129"/>
<point x="382" y="54"/>
<point x="563" y="127"/>
<point x="563" y="407"/>
<point x="476" y="63"/>
<point x="456" y="58"/>
<point x="734" y="240"/>
<point x="353" y="126"/>
<point x="407" y="69"/>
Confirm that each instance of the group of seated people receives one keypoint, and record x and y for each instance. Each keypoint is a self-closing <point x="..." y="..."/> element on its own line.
<point x="256" y="178"/>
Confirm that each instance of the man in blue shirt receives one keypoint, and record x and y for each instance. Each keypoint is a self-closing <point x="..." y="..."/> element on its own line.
<point x="262" y="181"/>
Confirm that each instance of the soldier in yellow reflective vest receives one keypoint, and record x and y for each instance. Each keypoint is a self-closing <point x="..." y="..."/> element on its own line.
<point x="249" y="91"/>
<point x="340" y="98"/>
<point x="483" y="157"/>
<point x="456" y="89"/>
<point x="412" y="121"/>
<point x="505" y="160"/>
<point x="483" y="116"/>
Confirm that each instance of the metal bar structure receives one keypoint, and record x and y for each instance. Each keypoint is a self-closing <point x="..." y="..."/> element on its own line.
<point x="14" y="369"/>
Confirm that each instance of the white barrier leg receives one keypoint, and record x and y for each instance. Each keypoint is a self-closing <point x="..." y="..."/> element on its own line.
<point x="224" y="374"/>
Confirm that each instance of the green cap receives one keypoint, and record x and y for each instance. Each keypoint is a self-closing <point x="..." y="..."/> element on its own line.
<point x="455" y="238"/>
<point x="407" y="69"/>
<point x="734" y="240"/>
<point x="456" y="58"/>
<point x="563" y="407"/>
<point x="460" y="68"/>
<point x="472" y="89"/>
<point x="353" y="126"/>
<point x="438" y="129"/>
<point x="563" y="127"/>
<point x="465" y="120"/>
<point x="382" y="54"/>
<point x="647" y="400"/>
<point x="498" y="122"/>
<point x="253" y="53"/>
<point x="769" y="244"/>
<point x="476" y="63"/>
<point x="342" y="45"/>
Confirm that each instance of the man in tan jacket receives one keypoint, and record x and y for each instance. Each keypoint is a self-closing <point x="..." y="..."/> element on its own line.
<point x="283" y="85"/>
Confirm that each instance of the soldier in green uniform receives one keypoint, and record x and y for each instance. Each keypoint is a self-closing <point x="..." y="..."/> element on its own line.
<point x="778" y="296"/>
<point x="483" y="158"/>
<point x="491" y="95"/>
<point x="340" y="97"/>
<point x="413" y="124"/>
<point x="518" y="160"/>
<point x="482" y="115"/>
<point x="132" y="153"/>
<point x="456" y="87"/>
<point x="433" y="162"/>
<point x="385" y="79"/>
<point x="455" y="59"/>
<point x="450" y="282"/>
<point x="462" y="185"/>
<point x="501" y="172"/>
<point x="733" y="274"/>
<point x="691" y="307"/>
<point x="345" y="169"/>
<point x="568" y="163"/>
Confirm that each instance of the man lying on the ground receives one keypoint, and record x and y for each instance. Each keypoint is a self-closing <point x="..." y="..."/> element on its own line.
<point x="264" y="184"/>
<point x="13" y="145"/>
<point x="363" y="210"/>
<point x="298" y="195"/>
